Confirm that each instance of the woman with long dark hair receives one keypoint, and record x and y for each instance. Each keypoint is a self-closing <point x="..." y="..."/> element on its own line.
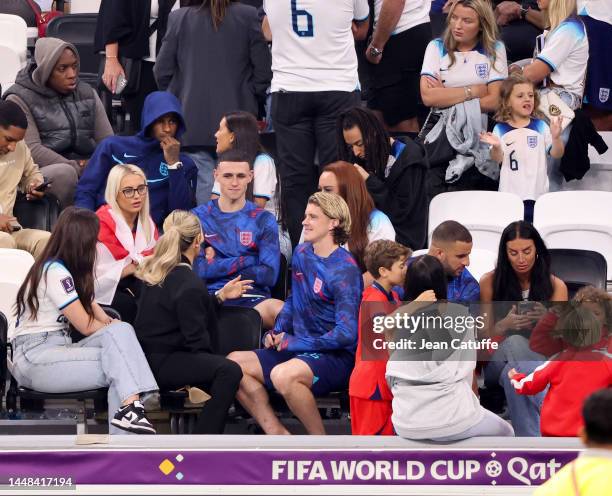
<point x="214" y="59"/>
<point x="520" y="284"/>
<point x="238" y="130"/>
<point x="367" y="223"/>
<point x="393" y="170"/>
<point x="59" y="290"/>
<point x="432" y="384"/>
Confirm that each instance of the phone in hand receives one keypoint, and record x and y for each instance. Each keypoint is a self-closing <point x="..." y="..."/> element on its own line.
<point x="524" y="307"/>
<point x="122" y="82"/>
<point x="44" y="186"/>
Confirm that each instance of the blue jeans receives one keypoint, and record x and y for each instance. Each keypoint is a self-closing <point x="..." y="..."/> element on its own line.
<point x="205" y="163"/>
<point x="514" y="352"/>
<point x="111" y="357"/>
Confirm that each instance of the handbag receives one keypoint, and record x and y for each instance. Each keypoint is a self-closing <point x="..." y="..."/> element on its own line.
<point x="551" y="105"/>
<point x="439" y="152"/>
<point x="43" y="18"/>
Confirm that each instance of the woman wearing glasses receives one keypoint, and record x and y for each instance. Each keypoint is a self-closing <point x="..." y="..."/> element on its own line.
<point x="127" y="235"/>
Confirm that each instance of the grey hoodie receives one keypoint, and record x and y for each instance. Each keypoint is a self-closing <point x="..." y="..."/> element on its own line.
<point x="432" y="390"/>
<point x="59" y="126"/>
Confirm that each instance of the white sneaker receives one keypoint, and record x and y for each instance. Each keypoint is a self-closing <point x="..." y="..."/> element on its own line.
<point x="132" y="418"/>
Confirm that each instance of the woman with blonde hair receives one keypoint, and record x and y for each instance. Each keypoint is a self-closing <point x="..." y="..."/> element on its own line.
<point x="127" y="235"/>
<point x="467" y="63"/>
<point x="176" y="321"/>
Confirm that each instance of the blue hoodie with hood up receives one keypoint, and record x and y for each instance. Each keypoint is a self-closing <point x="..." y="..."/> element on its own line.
<point x="168" y="189"/>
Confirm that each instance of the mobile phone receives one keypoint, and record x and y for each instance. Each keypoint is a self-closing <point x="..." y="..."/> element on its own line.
<point x="121" y="84"/>
<point x="43" y="186"/>
<point x="525" y="307"/>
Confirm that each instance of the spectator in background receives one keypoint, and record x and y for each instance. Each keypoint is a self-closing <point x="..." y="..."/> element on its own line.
<point x="520" y="23"/>
<point x="17" y="171"/>
<point x="241" y="239"/>
<point x="394" y="170"/>
<point x="127" y="235"/>
<point x="315" y="78"/>
<point x="238" y="130"/>
<point x="522" y="274"/>
<point x="589" y="474"/>
<point x="396" y="51"/>
<point x="467" y="63"/>
<point x="451" y="243"/>
<point x="432" y="391"/>
<point x="176" y="322"/>
<point x="232" y="73"/>
<point x="367" y="223"/>
<point x="156" y="149"/>
<point x="66" y="119"/>
<point x="132" y="30"/>
<point x="311" y="349"/>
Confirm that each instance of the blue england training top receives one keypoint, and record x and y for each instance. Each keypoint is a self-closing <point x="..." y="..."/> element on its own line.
<point x="168" y="189"/>
<point x="245" y="243"/>
<point x="322" y="311"/>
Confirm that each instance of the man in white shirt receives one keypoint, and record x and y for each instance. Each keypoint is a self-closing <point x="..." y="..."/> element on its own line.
<point x="315" y="77"/>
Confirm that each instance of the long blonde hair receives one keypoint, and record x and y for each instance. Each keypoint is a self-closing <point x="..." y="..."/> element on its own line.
<point x="488" y="34"/>
<point x="113" y="186"/>
<point x="181" y="228"/>
<point x="558" y="11"/>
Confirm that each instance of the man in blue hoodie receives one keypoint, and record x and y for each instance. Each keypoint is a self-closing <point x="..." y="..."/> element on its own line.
<point x="171" y="175"/>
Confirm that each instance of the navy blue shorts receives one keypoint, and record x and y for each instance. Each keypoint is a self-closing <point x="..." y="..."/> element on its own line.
<point x="599" y="75"/>
<point x="331" y="369"/>
<point x="245" y="302"/>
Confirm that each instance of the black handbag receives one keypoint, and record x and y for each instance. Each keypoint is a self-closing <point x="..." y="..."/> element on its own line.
<point x="439" y="152"/>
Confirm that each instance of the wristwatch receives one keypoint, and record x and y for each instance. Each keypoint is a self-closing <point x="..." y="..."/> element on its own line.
<point x="375" y="52"/>
<point x="524" y="12"/>
<point x="175" y="165"/>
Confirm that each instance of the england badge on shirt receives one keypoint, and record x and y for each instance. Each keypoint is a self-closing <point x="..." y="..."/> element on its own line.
<point x="317" y="286"/>
<point x="604" y="94"/>
<point x="246" y="238"/>
<point x="482" y="70"/>
<point x="67" y="284"/>
<point x="532" y="141"/>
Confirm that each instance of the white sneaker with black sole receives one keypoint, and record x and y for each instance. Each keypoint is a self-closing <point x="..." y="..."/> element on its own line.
<point x="132" y="418"/>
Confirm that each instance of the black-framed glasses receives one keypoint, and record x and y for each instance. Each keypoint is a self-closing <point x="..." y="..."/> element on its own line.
<point x="130" y="192"/>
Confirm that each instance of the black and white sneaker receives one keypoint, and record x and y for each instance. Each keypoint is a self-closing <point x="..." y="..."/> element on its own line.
<point x="132" y="418"/>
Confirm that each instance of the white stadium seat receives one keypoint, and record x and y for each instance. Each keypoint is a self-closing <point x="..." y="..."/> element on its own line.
<point x="9" y="67"/>
<point x="481" y="261"/>
<point x="84" y="6"/>
<point x="576" y="219"/>
<point x="14" y="34"/>
<point x="485" y="213"/>
<point x="15" y="266"/>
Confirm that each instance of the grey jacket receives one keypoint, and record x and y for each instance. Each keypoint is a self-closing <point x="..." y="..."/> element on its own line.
<point x="213" y="72"/>
<point x="463" y="123"/>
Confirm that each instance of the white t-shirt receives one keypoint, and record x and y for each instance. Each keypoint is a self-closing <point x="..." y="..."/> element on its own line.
<point x="312" y="44"/>
<point x="153" y="37"/>
<point x="566" y="52"/>
<point x="55" y="292"/>
<point x="264" y="182"/>
<point x="415" y="12"/>
<point x="523" y="170"/>
<point x="473" y="67"/>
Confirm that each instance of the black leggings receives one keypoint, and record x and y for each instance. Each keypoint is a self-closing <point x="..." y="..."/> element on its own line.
<point x="215" y="374"/>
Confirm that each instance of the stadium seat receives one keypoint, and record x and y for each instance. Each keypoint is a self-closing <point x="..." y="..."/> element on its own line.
<point x="37" y="214"/>
<point x="578" y="268"/>
<point x="481" y="261"/>
<point x="281" y="288"/>
<point x="599" y="176"/>
<point x="485" y="213"/>
<point x="14" y="35"/>
<point x="79" y="29"/>
<point x="577" y="219"/>
<point x="15" y="266"/>
<point x="84" y="6"/>
<point x="9" y="67"/>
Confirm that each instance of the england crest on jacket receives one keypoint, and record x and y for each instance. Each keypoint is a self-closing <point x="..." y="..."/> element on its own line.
<point x="604" y="94"/>
<point x="246" y="238"/>
<point x="482" y="70"/>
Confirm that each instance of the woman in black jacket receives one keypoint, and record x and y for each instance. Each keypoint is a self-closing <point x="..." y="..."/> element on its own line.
<point x="176" y="321"/>
<point x="394" y="171"/>
<point x="132" y="30"/>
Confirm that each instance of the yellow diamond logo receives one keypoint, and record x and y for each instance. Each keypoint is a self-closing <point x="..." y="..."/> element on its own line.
<point x="166" y="466"/>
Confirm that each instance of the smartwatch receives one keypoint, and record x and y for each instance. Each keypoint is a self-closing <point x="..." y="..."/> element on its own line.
<point x="175" y="166"/>
<point x="524" y="12"/>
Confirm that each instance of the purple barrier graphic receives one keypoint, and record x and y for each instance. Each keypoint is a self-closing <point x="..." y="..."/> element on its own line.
<point x="443" y="467"/>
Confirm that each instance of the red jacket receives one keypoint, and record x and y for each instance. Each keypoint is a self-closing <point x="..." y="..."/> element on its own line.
<point x="573" y="375"/>
<point x="368" y="377"/>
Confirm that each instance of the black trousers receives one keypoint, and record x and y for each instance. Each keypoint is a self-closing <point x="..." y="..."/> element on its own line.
<point x="134" y="103"/>
<point x="215" y="374"/>
<point x="305" y="123"/>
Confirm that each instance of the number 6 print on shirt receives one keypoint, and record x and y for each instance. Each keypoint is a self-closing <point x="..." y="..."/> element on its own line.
<point x="295" y="20"/>
<point x="513" y="161"/>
